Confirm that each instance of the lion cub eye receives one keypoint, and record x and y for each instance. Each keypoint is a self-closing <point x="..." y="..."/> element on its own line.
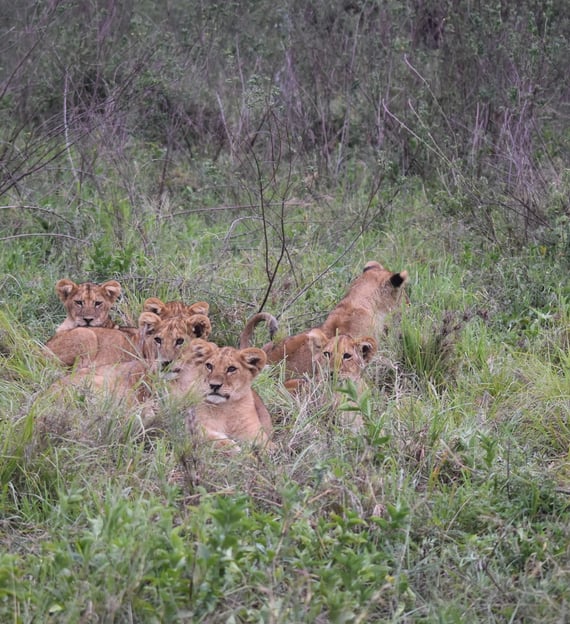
<point x="98" y="304"/>
<point x="158" y="339"/>
<point x="346" y="356"/>
<point x="179" y="341"/>
<point x="209" y="366"/>
<point x="232" y="369"/>
<point x="78" y="302"/>
<point x="327" y="354"/>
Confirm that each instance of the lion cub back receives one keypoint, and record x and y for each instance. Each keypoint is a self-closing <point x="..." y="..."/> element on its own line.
<point x="371" y="297"/>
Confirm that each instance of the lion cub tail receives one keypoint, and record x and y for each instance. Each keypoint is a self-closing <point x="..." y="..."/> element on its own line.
<point x="247" y="333"/>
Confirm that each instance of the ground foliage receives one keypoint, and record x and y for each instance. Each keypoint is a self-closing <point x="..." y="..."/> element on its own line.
<point x="256" y="156"/>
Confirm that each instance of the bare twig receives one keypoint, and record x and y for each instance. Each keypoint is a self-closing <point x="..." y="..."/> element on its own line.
<point x="46" y="234"/>
<point x="37" y="209"/>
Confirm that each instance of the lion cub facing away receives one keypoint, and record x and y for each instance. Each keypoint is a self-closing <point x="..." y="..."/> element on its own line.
<point x="361" y="312"/>
<point x="87" y="304"/>
<point x="231" y="411"/>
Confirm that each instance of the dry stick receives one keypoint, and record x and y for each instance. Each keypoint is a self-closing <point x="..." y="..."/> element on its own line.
<point x="344" y="133"/>
<point x="234" y="207"/>
<point x="348" y="248"/>
<point x="66" y="131"/>
<point x="53" y="234"/>
<point x="36" y="209"/>
<point x="270" y="274"/>
<point x="284" y="252"/>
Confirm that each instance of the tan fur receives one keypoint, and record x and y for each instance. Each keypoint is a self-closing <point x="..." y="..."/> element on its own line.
<point x="174" y="308"/>
<point x="300" y="352"/>
<point x="362" y="312"/>
<point x="155" y="338"/>
<point x="230" y="411"/>
<point x="128" y="381"/>
<point x="84" y="346"/>
<point x="345" y="357"/>
<point x="129" y="373"/>
<point x="88" y="304"/>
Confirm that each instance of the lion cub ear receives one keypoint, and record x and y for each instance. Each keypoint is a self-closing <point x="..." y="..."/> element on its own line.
<point x="148" y="322"/>
<point x="398" y="279"/>
<point x="64" y="288"/>
<point x="200" y="307"/>
<point x="199" y="326"/>
<point x="368" y="347"/>
<point x="317" y="340"/>
<point x="200" y="350"/>
<point x="154" y="305"/>
<point x="254" y="359"/>
<point x="112" y="288"/>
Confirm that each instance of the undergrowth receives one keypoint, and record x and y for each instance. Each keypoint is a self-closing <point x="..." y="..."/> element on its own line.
<point x="450" y="505"/>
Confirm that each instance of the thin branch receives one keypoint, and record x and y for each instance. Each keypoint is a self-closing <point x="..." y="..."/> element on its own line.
<point x="47" y="234"/>
<point x="68" y="143"/>
<point x="363" y="228"/>
<point x="234" y="207"/>
<point x="37" y="209"/>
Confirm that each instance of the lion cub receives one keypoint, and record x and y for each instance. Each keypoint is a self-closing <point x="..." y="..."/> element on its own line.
<point x="126" y="368"/>
<point x="155" y="338"/>
<point x="371" y="297"/>
<point x="341" y="358"/>
<point x="345" y="357"/>
<point x="362" y="312"/>
<point x="230" y="411"/>
<point x="88" y="304"/>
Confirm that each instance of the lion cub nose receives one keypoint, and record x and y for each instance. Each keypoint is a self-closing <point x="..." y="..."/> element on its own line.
<point x="215" y="387"/>
<point x="88" y="320"/>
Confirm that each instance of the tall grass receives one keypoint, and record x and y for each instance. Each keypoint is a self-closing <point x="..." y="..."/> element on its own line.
<point x="450" y="505"/>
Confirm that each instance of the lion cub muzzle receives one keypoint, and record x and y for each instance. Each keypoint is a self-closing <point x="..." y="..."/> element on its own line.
<point x="215" y="395"/>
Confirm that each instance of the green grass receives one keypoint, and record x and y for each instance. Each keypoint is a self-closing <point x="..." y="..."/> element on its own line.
<point x="451" y="505"/>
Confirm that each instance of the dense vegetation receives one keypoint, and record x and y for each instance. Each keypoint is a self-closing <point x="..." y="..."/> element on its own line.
<point x="256" y="155"/>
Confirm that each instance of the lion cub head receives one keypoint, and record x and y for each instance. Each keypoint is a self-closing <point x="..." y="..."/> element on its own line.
<point x="345" y="357"/>
<point x="163" y="339"/>
<point x="229" y="373"/>
<point x="174" y="308"/>
<point x="88" y="304"/>
<point x="229" y="410"/>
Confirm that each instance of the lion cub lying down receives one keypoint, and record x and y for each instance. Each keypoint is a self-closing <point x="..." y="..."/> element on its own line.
<point x="88" y="304"/>
<point x="341" y="358"/>
<point x="361" y="312"/>
<point x="99" y="346"/>
<point x="124" y="366"/>
<point x="231" y="411"/>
